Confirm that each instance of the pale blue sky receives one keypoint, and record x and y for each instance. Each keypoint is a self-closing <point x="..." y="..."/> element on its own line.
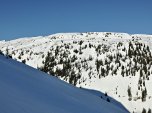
<point x="25" y="18"/>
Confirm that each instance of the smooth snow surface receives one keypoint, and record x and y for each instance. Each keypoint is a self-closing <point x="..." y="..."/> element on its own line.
<point x="24" y="89"/>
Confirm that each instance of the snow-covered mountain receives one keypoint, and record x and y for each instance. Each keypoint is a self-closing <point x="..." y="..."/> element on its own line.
<point x="116" y="63"/>
<point x="24" y="89"/>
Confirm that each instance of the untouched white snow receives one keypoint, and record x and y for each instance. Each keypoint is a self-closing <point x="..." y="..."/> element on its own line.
<point x="24" y="89"/>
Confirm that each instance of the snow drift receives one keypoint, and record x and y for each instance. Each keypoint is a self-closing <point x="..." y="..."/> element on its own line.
<point x="24" y="89"/>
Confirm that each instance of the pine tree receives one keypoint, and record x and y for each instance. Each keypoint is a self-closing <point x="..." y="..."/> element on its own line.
<point x="103" y="72"/>
<point x="144" y="94"/>
<point x="108" y="100"/>
<point x="141" y="73"/>
<point x="49" y="64"/>
<point x="1" y="53"/>
<point x="97" y="65"/>
<point x="144" y="110"/>
<point x="149" y="110"/>
<point x="129" y="93"/>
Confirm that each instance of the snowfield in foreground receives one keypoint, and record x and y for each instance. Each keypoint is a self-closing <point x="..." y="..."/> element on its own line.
<point x="24" y="89"/>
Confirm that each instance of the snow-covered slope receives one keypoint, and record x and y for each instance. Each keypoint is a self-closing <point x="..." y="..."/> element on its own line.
<point x="116" y="63"/>
<point x="26" y="90"/>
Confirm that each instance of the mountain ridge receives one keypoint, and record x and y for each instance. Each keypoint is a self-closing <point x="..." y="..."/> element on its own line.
<point x="113" y="59"/>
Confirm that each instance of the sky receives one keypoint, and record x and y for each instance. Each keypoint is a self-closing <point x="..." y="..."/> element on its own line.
<point x="26" y="18"/>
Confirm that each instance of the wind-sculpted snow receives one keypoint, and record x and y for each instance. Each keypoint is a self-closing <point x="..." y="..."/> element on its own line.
<point x="116" y="63"/>
<point x="24" y="89"/>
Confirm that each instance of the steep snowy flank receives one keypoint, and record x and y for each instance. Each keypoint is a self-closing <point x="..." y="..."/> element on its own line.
<point x="26" y="90"/>
<point x="119" y="64"/>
